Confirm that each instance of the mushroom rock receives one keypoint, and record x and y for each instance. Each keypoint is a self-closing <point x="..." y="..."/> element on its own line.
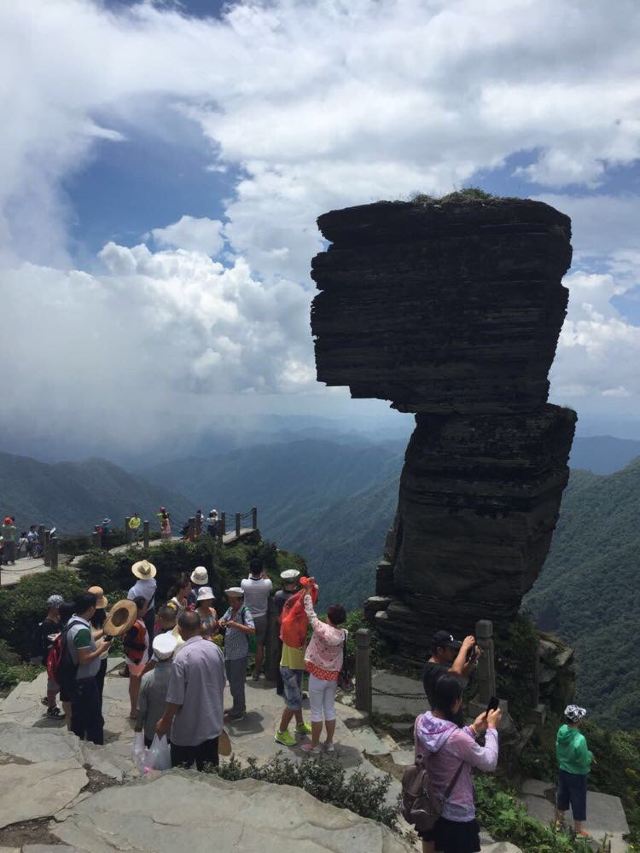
<point x="452" y="309"/>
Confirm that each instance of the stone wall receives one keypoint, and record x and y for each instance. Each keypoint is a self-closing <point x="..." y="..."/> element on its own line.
<point x="452" y="311"/>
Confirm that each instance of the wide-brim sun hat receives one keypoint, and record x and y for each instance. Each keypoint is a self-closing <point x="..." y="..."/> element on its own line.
<point x="205" y="593"/>
<point x="121" y="617"/>
<point x="144" y="570"/>
<point x="290" y="575"/>
<point x="164" y="645"/>
<point x="234" y="592"/>
<point x="200" y="576"/>
<point x="101" y="603"/>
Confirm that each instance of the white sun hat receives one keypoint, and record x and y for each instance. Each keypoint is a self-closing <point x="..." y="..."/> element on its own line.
<point x="290" y="574"/>
<point x="164" y="645"/>
<point x="205" y="593"/>
<point x="200" y="576"/>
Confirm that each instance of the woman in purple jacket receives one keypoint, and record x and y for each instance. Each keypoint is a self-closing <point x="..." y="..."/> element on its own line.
<point x="451" y="747"/>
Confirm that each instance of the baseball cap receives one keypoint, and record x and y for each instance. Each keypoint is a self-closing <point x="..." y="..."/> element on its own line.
<point x="575" y="713"/>
<point x="443" y="639"/>
<point x="55" y="601"/>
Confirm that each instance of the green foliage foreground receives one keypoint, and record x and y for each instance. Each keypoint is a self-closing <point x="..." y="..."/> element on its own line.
<point x="325" y="779"/>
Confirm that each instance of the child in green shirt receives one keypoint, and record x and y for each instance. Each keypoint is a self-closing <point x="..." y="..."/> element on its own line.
<point x="574" y="763"/>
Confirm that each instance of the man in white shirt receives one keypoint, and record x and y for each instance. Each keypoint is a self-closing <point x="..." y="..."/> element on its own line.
<point x="257" y="589"/>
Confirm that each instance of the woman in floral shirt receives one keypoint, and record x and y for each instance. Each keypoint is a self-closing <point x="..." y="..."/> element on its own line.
<point x="323" y="660"/>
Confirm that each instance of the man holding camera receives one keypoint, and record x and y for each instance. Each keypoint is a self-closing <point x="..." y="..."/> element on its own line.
<point x="449" y="655"/>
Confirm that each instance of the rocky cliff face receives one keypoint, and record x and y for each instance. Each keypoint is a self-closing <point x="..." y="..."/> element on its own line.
<point x="452" y="310"/>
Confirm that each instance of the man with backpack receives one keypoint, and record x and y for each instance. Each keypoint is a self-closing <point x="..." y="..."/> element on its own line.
<point x="79" y="667"/>
<point x="238" y="625"/>
<point x="48" y="631"/>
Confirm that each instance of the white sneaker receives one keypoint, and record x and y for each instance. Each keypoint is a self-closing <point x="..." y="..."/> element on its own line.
<point x="330" y="747"/>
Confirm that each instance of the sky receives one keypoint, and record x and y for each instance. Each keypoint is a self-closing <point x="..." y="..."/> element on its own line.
<point x="163" y="165"/>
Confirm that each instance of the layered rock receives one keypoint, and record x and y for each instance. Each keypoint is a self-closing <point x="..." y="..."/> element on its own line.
<point x="452" y="311"/>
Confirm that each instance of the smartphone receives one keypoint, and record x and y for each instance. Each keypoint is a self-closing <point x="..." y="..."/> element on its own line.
<point x="494" y="704"/>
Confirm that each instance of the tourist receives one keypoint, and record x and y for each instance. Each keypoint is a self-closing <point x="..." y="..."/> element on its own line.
<point x="104" y="528"/>
<point x="48" y="630"/>
<point x="8" y="532"/>
<point x="166" y="621"/>
<point x="85" y="652"/>
<point x="199" y="577"/>
<point x="452" y="752"/>
<point x="97" y="632"/>
<point x="136" y="650"/>
<point x="449" y="655"/>
<point x="206" y="612"/>
<point x="32" y="541"/>
<point x="21" y="549"/>
<point x="145" y="585"/>
<point x="193" y="715"/>
<point x="237" y="624"/>
<point x="179" y="593"/>
<point x="199" y="517"/>
<point x="292" y="666"/>
<point x="574" y="763"/>
<point x="289" y="579"/>
<point x="257" y="589"/>
<point x="153" y="687"/>
<point x="323" y="660"/>
<point x="165" y="523"/>
<point x="135" y="522"/>
<point x="212" y="523"/>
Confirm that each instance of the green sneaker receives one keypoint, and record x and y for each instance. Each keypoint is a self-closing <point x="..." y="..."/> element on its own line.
<point x="303" y="729"/>
<point x="285" y="738"/>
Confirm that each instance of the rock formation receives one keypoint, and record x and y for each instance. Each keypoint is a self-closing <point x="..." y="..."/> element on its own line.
<point x="452" y="310"/>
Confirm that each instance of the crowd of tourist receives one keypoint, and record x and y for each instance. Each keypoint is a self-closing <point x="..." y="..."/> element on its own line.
<point x="181" y="656"/>
<point x="13" y="545"/>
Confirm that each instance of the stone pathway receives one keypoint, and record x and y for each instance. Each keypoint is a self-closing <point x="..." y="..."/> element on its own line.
<point x="96" y="801"/>
<point x="10" y="575"/>
<point x="605" y="815"/>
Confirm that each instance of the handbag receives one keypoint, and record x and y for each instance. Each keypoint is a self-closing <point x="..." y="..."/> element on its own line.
<point x="421" y="805"/>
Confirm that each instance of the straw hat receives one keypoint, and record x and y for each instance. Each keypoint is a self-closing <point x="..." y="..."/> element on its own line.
<point x="121" y="617"/>
<point x="144" y="570"/>
<point x="200" y="576"/>
<point x="101" y="603"/>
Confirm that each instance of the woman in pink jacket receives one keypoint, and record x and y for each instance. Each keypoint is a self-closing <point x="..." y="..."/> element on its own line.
<point x="452" y="749"/>
<point x="323" y="660"/>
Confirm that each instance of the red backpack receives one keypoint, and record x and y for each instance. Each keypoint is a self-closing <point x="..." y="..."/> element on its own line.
<point x="60" y="666"/>
<point x="294" y="622"/>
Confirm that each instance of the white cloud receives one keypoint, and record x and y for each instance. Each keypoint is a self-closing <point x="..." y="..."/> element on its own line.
<point x="196" y="235"/>
<point x="315" y="105"/>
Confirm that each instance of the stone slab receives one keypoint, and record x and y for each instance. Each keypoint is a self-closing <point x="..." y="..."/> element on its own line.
<point x="397" y="696"/>
<point x="251" y="816"/>
<point x="38" y="744"/>
<point x="31" y="791"/>
<point x="500" y="847"/>
<point x="403" y="757"/>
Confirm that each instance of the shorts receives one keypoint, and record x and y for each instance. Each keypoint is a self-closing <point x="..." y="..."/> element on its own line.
<point x="261" y="628"/>
<point x="572" y="791"/>
<point x="136" y="668"/>
<point x="452" y="836"/>
<point x="292" y="680"/>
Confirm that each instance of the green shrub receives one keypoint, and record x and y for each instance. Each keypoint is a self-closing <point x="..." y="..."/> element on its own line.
<point x="24" y="606"/>
<point x="516" y="648"/>
<point x="323" y="778"/>
<point x="379" y="648"/>
<point x="13" y="669"/>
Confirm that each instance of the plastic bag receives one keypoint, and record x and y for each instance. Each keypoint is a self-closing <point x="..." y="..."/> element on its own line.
<point x="138" y="751"/>
<point x="159" y="756"/>
<point x="294" y="621"/>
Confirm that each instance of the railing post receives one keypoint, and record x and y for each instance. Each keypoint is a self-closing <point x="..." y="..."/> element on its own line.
<point x="486" y="671"/>
<point x="223" y="524"/>
<point x="363" y="670"/>
<point x="41" y="538"/>
<point x="96" y="537"/>
<point x="127" y="531"/>
<point x="47" y="554"/>
<point x="53" y="552"/>
<point x="191" y="532"/>
<point x="145" y="534"/>
<point x="238" y="525"/>
<point x="254" y="517"/>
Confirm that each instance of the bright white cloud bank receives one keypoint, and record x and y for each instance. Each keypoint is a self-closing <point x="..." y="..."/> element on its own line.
<point x="317" y="105"/>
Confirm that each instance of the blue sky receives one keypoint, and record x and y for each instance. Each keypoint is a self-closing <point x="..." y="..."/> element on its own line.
<point x="164" y="164"/>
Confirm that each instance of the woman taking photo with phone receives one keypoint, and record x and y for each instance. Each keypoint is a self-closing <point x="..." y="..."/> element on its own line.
<point x="452" y="751"/>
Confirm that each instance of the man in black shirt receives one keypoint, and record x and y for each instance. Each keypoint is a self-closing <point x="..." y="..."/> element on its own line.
<point x="48" y="630"/>
<point x="449" y="655"/>
<point x="290" y="587"/>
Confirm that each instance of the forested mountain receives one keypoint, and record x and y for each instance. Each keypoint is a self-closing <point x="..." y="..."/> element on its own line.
<point x="589" y="591"/>
<point x="74" y="496"/>
<point x="603" y="454"/>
